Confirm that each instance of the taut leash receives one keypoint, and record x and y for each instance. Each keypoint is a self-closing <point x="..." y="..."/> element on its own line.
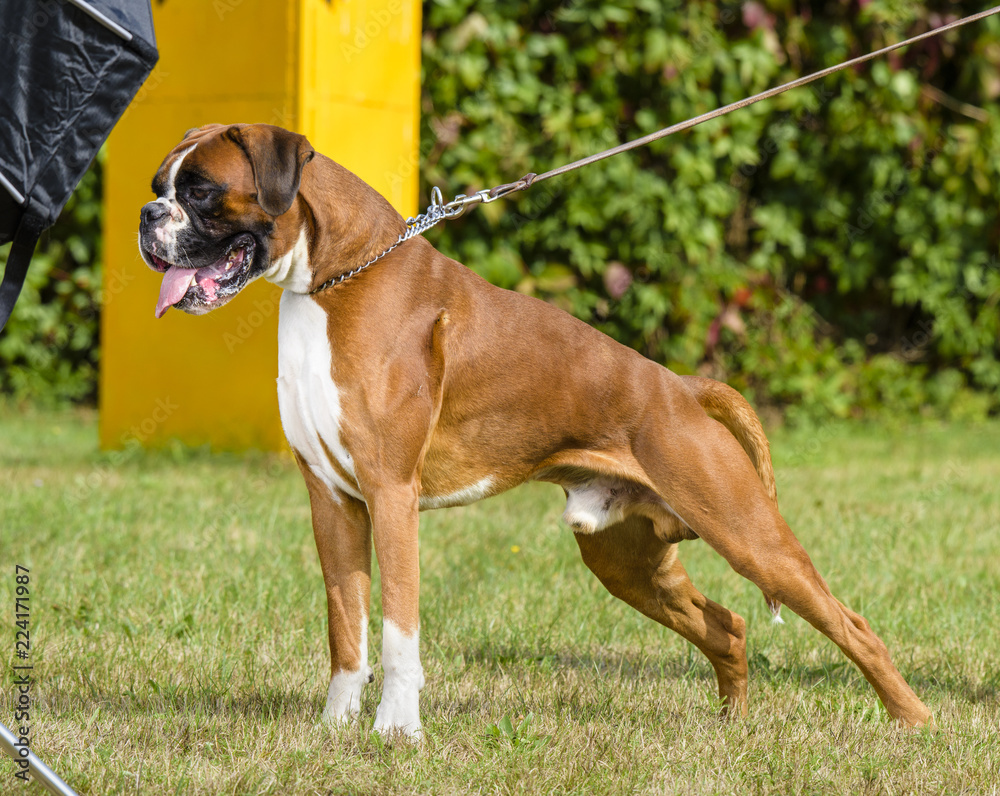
<point x="440" y="211"/>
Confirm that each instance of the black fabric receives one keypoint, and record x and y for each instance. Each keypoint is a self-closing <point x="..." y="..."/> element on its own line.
<point x="10" y="215"/>
<point x="18" y="259"/>
<point x="65" y="80"/>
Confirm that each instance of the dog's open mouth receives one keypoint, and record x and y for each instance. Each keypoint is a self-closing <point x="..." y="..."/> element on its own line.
<point x="206" y="285"/>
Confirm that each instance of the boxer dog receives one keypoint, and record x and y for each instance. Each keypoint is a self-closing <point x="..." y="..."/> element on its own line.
<point x="414" y="384"/>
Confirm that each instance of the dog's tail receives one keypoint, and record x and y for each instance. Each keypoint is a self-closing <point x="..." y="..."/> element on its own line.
<point x="721" y="402"/>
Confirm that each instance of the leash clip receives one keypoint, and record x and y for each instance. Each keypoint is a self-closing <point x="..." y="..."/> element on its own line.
<point x="460" y="203"/>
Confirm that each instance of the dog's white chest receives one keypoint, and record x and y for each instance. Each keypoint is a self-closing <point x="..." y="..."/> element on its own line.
<point x="308" y="398"/>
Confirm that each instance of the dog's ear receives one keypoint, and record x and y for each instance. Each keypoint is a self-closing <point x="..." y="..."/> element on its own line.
<point x="277" y="157"/>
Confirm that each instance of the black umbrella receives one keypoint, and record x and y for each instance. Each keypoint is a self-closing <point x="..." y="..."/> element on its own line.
<point x="68" y="70"/>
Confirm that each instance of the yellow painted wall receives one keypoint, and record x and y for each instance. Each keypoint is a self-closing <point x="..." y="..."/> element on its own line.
<point x="344" y="72"/>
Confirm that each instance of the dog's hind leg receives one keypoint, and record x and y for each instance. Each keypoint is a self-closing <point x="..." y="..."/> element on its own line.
<point x="703" y="474"/>
<point x="638" y="566"/>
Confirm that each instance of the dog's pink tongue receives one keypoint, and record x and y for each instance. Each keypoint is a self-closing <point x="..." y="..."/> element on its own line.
<point x="175" y="284"/>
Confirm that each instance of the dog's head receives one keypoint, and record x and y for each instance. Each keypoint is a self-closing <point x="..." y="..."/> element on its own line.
<point x="221" y="195"/>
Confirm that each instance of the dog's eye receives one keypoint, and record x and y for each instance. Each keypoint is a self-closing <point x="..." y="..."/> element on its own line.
<point x="199" y="194"/>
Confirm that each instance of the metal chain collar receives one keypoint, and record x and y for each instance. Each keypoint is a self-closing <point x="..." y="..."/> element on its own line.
<point x="437" y="211"/>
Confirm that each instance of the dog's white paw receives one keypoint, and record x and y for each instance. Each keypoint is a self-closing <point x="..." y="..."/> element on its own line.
<point x="399" y="714"/>
<point x="343" y="700"/>
<point x="399" y="711"/>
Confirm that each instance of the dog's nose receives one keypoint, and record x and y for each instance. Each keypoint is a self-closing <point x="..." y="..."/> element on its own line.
<point x="153" y="212"/>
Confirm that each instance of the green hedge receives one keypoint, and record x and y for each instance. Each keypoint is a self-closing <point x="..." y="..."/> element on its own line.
<point x="830" y="252"/>
<point x="50" y="348"/>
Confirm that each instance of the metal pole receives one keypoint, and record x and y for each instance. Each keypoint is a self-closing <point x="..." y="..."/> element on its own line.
<point x="41" y="772"/>
<point x="18" y="196"/>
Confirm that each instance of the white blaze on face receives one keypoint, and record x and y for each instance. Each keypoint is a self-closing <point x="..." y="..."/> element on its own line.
<point x="399" y="710"/>
<point x="166" y="233"/>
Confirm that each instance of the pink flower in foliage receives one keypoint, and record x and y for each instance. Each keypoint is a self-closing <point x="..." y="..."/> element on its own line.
<point x="729" y="319"/>
<point x="756" y="16"/>
<point x="617" y="279"/>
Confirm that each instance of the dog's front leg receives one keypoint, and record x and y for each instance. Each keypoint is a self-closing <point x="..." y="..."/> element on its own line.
<point x="395" y="519"/>
<point x="342" y="529"/>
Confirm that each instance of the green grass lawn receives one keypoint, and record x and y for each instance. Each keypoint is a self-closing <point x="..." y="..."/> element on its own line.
<point x="179" y="632"/>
